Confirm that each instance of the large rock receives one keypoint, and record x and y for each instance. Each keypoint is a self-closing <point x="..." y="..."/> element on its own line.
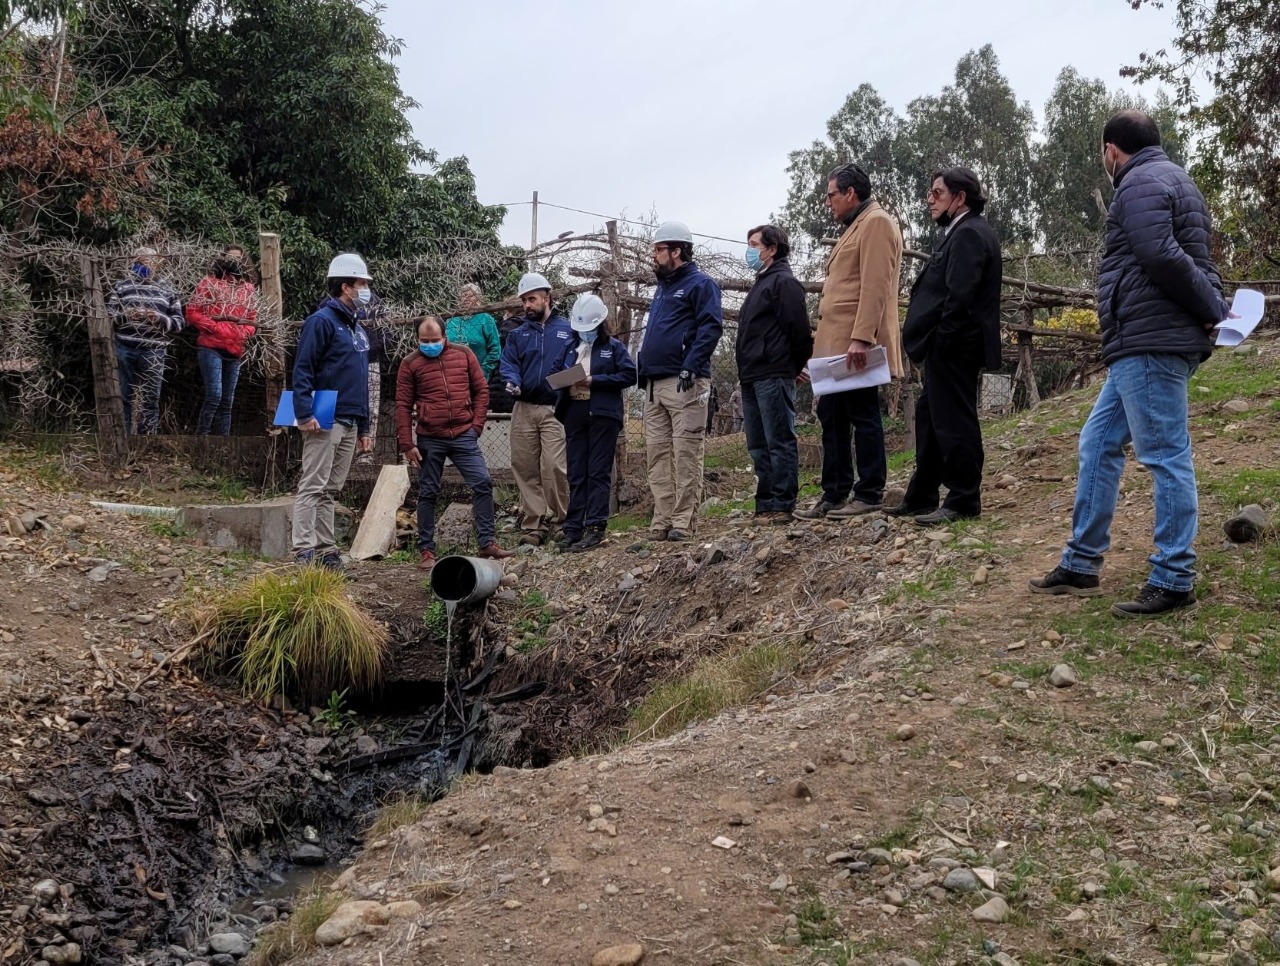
<point x="351" y="919"/>
<point x="994" y="910"/>
<point x="631" y="954"/>
<point x="229" y="943"/>
<point x="1247" y="525"/>
<point x="455" y="529"/>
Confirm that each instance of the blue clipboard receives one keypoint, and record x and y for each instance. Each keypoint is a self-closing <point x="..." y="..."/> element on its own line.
<point x="324" y="404"/>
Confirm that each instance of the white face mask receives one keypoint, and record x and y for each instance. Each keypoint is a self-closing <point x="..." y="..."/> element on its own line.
<point x="1111" y="175"/>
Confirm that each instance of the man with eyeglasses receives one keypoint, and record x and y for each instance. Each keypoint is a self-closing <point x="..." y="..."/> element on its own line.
<point x="952" y="329"/>
<point x="683" y="329"/>
<point x="857" y="312"/>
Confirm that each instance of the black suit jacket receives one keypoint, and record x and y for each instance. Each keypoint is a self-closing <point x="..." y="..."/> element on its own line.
<point x="955" y="301"/>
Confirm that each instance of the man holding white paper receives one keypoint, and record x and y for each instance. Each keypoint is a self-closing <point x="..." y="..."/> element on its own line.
<point x="1159" y="297"/>
<point x="858" y="311"/>
<point x="953" y="331"/>
<point x="333" y="354"/>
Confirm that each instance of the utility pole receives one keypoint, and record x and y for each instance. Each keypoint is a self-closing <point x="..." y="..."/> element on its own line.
<point x="533" y="240"/>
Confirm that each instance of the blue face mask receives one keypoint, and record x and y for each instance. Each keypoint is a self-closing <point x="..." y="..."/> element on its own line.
<point x="589" y="337"/>
<point x="431" y="349"/>
<point x="142" y="271"/>
<point x="753" y="259"/>
<point x="363" y="295"/>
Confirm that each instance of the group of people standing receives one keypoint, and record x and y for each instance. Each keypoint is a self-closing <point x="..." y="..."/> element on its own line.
<point x="147" y="315"/>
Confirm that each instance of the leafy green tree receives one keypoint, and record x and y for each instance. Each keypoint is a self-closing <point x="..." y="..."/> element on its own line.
<point x="1235" y="45"/>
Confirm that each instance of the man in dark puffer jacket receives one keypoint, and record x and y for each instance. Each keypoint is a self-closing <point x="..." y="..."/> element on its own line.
<point x="1159" y="295"/>
<point x="446" y="385"/>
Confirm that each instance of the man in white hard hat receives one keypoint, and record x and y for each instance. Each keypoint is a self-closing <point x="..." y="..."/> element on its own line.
<point x="531" y="353"/>
<point x="333" y="354"/>
<point x="685" y="322"/>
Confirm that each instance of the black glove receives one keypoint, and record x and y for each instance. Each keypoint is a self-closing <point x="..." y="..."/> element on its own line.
<point x="685" y="383"/>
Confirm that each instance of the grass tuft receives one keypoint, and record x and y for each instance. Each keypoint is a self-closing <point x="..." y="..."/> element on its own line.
<point x="399" y="811"/>
<point x="294" y="632"/>
<point x="712" y="686"/>
<point x="297" y="936"/>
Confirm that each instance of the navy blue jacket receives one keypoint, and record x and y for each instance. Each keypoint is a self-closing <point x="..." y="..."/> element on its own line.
<point x="612" y="371"/>
<point x="1157" y="286"/>
<point x="333" y="353"/>
<point x="531" y="353"/>
<point x="685" y="322"/>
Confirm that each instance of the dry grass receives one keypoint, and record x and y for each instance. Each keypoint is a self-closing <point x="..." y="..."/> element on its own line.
<point x="294" y="632"/>
<point x="399" y="811"/>
<point x="296" y="937"/>
<point x="714" y="685"/>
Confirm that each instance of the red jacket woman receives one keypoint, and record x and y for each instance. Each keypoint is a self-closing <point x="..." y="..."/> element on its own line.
<point x="222" y="312"/>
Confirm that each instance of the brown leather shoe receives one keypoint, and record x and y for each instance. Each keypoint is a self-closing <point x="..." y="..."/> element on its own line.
<point x="491" y="551"/>
<point x="426" y="560"/>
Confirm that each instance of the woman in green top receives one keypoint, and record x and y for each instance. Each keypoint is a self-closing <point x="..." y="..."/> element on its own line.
<point x="477" y="331"/>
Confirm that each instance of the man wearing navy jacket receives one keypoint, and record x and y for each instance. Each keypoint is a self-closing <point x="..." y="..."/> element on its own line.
<point x="333" y="354"/>
<point x="531" y="353"/>
<point x="685" y="322"/>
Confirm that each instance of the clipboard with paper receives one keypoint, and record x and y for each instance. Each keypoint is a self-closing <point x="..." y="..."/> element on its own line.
<point x="1248" y="307"/>
<point x="567" y="377"/>
<point x="831" y="374"/>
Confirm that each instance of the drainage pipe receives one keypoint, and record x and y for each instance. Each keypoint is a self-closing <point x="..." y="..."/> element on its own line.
<point x="465" y="580"/>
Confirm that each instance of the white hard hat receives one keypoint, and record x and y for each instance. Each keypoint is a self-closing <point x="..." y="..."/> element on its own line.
<point x="531" y="282"/>
<point x="349" y="265"/>
<point x="587" y="313"/>
<point x="673" y="231"/>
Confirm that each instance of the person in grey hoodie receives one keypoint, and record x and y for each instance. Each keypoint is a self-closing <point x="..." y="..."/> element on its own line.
<point x="1159" y="297"/>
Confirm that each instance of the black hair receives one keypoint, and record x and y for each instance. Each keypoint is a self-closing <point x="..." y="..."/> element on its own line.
<point x="685" y="250"/>
<point x="852" y="176"/>
<point x="434" y="319"/>
<point x="1131" y="131"/>
<point x="771" y="236"/>
<point x="963" y="179"/>
<point x="224" y="266"/>
<point x="334" y="285"/>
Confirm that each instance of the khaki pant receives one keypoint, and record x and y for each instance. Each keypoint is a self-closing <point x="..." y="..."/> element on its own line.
<point x="326" y="460"/>
<point x="675" y="427"/>
<point x="538" y="464"/>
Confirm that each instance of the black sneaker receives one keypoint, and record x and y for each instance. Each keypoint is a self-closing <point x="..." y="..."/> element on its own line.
<point x="1153" y="601"/>
<point x="590" y="540"/>
<point x="906" y="510"/>
<point x="677" y="536"/>
<point x="1062" y="581"/>
<point x="567" y="540"/>
<point x="817" y="511"/>
<point x="332" y="561"/>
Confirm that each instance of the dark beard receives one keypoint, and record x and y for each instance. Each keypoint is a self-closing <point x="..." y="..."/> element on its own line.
<point x="533" y="315"/>
<point x="663" y="272"/>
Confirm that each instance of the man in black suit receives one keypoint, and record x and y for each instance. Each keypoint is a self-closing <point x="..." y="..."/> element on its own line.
<point x="953" y="331"/>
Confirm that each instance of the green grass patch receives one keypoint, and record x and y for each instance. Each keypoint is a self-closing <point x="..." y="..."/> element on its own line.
<point x="934" y="584"/>
<point x="1241" y="487"/>
<point x="714" y="685"/>
<point x="900" y="461"/>
<point x="285" y="941"/>
<point x="725" y="508"/>
<point x="627" y="521"/>
<point x="293" y="632"/>
<point x="1228" y="376"/>
<point x="532" y="622"/>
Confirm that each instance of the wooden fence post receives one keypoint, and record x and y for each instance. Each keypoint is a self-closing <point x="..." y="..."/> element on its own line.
<point x="1025" y="360"/>
<point x="620" y="323"/>
<point x="112" y="433"/>
<point x="273" y="300"/>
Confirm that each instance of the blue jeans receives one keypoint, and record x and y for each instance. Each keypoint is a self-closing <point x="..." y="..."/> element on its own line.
<point x="464" y="454"/>
<point x="142" y="371"/>
<point x="220" y="378"/>
<point x="769" y="417"/>
<point x="1144" y="401"/>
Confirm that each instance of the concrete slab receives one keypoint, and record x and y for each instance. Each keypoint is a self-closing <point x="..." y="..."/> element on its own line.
<point x="263" y="529"/>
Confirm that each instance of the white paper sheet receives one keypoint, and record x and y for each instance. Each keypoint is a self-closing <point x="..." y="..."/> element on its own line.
<point x="830" y="375"/>
<point x="1248" y="304"/>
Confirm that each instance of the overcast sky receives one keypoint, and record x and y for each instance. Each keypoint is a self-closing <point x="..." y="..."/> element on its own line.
<point x="688" y="109"/>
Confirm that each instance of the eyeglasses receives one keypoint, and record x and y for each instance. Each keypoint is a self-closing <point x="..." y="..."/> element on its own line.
<point x="934" y="193"/>
<point x="832" y="194"/>
<point x="661" y="248"/>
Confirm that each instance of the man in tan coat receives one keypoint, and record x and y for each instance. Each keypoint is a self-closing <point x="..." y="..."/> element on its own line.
<point x="858" y="311"/>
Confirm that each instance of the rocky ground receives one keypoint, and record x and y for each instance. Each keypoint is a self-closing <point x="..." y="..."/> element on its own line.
<point x="942" y="769"/>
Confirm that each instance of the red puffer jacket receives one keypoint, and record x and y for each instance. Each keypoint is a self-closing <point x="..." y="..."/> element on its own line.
<point x="449" y="391"/>
<point x="222" y="311"/>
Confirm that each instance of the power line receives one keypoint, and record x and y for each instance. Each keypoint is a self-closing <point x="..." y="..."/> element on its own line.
<point x="625" y="221"/>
